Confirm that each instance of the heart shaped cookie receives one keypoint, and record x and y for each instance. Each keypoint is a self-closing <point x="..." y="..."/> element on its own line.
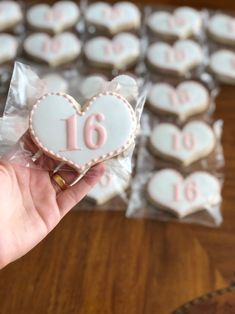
<point x="221" y="27"/>
<point x="170" y="191"/>
<point x="183" y="23"/>
<point x="82" y="138"/>
<point x="177" y="59"/>
<point x="62" y="15"/>
<point x="195" y="141"/>
<point x="8" y="48"/>
<point x="121" y="52"/>
<point x="109" y="185"/>
<point x="188" y="99"/>
<point x="222" y="64"/>
<point x="55" y="83"/>
<point x="122" y="16"/>
<point x="10" y="14"/>
<point x="123" y="85"/>
<point x="57" y="50"/>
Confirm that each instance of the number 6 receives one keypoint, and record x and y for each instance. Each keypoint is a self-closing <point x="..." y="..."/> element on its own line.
<point x="90" y="129"/>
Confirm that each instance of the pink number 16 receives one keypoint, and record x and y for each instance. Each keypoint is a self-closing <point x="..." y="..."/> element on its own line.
<point x="189" y="192"/>
<point x="94" y="134"/>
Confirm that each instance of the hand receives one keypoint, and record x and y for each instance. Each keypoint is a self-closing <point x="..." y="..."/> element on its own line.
<point x="32" y="204"/>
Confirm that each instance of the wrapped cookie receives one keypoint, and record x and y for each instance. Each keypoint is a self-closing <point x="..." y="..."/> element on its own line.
<point x="74" y="137"/>
<point x="177" y="59"/>
<point x="221" y="28"/>
<point x="180" y="101"/>
<point x="196" y="144"/>
<point x="112" y="19"/>
<point x="53" y="51"/>
<point x="170" y="195"/>
<point x="122" y="52"/>
<point x="222" y="65"/>
<point x="54" y="19"/>
<point x="180" y="23"/>
<point x="11" y="15"/>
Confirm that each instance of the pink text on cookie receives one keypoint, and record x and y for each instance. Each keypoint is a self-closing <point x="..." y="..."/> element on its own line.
<point x="188" y="192"/>
<point x="53" y="46"/>
<point x="180" y="97"/>
<point x="186" y="141"/>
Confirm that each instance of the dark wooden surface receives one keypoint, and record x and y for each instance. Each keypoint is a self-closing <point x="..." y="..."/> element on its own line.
<point x="102" y="263"/>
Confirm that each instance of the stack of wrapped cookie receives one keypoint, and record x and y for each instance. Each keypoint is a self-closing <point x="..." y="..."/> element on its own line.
<point x="179" y="168"/>
<point x="175" y="55"/>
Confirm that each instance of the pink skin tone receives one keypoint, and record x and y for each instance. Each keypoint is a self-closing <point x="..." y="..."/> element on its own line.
<point x="32" y="204"/>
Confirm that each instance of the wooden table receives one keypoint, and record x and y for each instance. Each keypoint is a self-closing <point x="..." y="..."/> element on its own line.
<point x="103" y="263"/>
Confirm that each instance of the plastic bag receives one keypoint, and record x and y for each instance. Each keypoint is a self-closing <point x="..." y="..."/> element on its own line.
<point x="25" y="89"/>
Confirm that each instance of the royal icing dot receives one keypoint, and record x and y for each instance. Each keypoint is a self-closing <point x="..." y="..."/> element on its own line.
<point x="187" y="99"/>
<point x="170" y="191"/>
<point x="60" y="130"/>
<point x="56" y="50"/>
<point x="195" y="141"/>
<point x="182" y="23"/>
<point x="62" y="15"/>
<point x="122" y="16"/>
<point x="120" y="52"/>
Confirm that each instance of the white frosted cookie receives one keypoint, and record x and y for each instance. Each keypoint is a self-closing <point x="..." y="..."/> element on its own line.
<point x="124" y="85"/>
<point x="222" y="64"/>
<point x="109" y="186"/>
<point x="62" y="15"/>
<point x="10" y="14"/>
<point x="122" y="16"/>
<point x="194" y="142"/>
<point x="119" y="53"/>
<point x="182" y="23"/>
<point x="221" y="28"/>
<point x="55" y="83"/>
<point x="177" y="59"/>
<point x="168" y="190"/>
<point x="57" y="50"/>
<point x="82" y="137"/>
<point x="187" y="99"/>
<point x="8" y="48"/>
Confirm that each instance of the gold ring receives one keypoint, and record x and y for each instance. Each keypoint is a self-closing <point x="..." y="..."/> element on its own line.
<point x="60" y="181"/>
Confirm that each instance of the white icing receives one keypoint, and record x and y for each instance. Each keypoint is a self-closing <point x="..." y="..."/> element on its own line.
<point x="48" y="127"/>
<point x="127" y="86"/>
<point x="186" y="150"/>
<point x="55" y="83"/>
<point x="108" y="187"/>
<point x="182" y="23"/>
<point x="119" y="52"/>
<point x="8" y="47"/>
<point x="165" y="97"/>
<point x="10" y="14"/>
<point x="222" y="27"/>
<point x="55" y="50"/>
<point x="119" y="17"/>
<point x="92" y="85"/>
<point x="123" y="85"/>
<point x="166" y="57"/>
<point x="161" y="191"/>
<point x="56" y="18"/>
<point x="222" y="63"/>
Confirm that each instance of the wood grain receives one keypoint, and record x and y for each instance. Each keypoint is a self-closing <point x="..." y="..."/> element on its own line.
<point x="103" y="263"/>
